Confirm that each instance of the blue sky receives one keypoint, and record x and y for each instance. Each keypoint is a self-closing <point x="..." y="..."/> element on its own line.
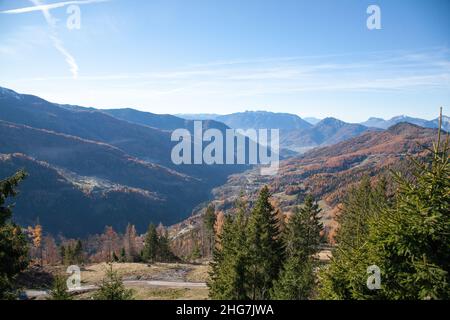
<point x="311" y="58"/>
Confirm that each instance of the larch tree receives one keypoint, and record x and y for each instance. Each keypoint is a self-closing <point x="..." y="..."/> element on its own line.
<point x="129" y="243"/>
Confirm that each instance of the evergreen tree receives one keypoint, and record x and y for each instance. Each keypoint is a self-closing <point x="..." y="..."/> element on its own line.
<point x="302" y="238"/>
<point x="296" y="281"/>
<point x="410" y="242"/>
<point x="346" y="275"/>
<point x="209" y="221"/>
<point x="150" y="250"/>
<point x="112" y="287"/>
<point x="164" y="252"/>
<point x="13" y="244"/>
<point x="228" y="267"/>
<point x="59" y="290"/>
<point x="265" y="251"/>
<point x="408" y="239"/>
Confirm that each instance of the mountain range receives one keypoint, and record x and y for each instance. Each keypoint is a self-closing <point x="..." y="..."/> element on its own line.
<point x="300" y="135"/>
<point x="110" y="171"/>
<point x="89" y="168"/>
<point x="384" y="124"/>
<point x="326" y="173"/>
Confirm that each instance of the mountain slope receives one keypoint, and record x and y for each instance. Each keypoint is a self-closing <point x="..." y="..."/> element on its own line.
<point x="264" y="120"/>
<point x="168" y="195"/>
<point x="144" y="142"/>
<point x="76" y="206"/>
<point x="88" y="146"/>
<point x="327" y="132"/>
<point x="161" y="121"/>
<point x="327" y="172"/>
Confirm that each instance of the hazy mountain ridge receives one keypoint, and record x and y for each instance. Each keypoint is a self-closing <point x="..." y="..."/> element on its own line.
<point x="327" y="172"/>
<point x="117" y="162"/>
<point x="264" y="120"/>
<point x="87" y="149"/>
<point x="384" y="124"/>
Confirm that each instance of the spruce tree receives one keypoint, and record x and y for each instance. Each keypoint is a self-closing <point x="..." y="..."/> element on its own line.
<point x="165" y="254"/>
<point x="346" y="275"/>
<point x="112" y="287"/>
<point x="407" y="238"/>
<point x="13" y="244"/>
<point x="302" y="239"/>
<point x="209" y="220"/>
<point x="228" y="268"/>
<point x="410" y="242"/>
<point x="265" y="251"/>
<point x="150" y="250"/>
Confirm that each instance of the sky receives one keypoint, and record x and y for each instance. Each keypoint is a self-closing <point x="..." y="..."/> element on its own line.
<point x="311" y="58"/>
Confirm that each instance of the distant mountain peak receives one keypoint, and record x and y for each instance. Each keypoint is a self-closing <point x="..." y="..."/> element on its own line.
<point x="331" y="121"/>
<point x="4" y="92"/>
<point x="403" y="127"/>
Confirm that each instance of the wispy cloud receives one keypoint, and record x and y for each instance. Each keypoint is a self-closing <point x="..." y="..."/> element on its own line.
<point x="262" y="80"/>
<point x="51" y="22"/>
<point x="50" y="6"/>
<point x="57" y="42"/>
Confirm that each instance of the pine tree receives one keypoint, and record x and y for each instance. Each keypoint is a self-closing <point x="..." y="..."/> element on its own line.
<point x="112" y="287"/>
<point x="150" y="250"/>
<point x="13" y="244"/>
<point x="265" y="251"/>
<point x="302" y="238"/>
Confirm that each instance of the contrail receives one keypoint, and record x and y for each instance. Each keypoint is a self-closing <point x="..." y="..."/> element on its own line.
<point x="57" y="43"/>
<point x="51" y="21"/>
<point x="50" y="6"/>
